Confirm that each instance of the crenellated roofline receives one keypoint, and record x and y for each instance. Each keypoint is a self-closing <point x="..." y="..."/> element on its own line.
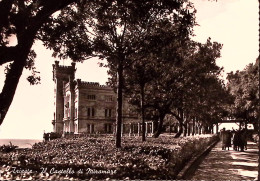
<point x="67" y="72"/>
<point x="86" y="84"/>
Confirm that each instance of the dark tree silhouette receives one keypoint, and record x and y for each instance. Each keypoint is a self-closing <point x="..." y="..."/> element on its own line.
<point x="21" y="20"/>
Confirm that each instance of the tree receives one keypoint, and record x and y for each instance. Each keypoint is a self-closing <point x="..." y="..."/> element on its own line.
<point x="148" y="66"/>
<point x="21" y="20"/>
<point x="243" y="86"/>
<point x="183" y="74"/>
<point x="25" y="19"/>
<point x="203" y="91"/>
<point x="187" y="79"/>
<point x="131" y="37"/>
<point x="156" y="75"/>
<point x="117" y="30"/>
<point x="137" y="77"/>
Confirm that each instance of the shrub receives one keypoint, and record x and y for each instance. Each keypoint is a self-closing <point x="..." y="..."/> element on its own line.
<point x="8" y="148"/>
<point x="157" y="158"/>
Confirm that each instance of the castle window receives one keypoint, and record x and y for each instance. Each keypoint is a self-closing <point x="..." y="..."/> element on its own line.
<point x="93" y="128"/>
<point x="108" y="128"/>
<point x="91" y="97"/>
<point x="91" y="112"/>
<point x="108" y="113"/>
<point x="90" y="128"/>
<point x="108" y="98"/>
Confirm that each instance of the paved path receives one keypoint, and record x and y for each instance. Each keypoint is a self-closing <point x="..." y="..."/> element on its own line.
<point x="229" y="165"/>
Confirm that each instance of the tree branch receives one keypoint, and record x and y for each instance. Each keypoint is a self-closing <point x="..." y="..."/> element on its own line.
<point x="7" y="54"/>
<point x="26" y="36"/>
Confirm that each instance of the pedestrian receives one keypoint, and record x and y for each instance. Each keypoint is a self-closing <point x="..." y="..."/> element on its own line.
<point x="243" y="140"/>
<point x="225" y="137"/>
<point x="240" y="140"/>
<point x="228" y="141"/>
<point x="236" y="140"/>
<point x="233" y="134"/>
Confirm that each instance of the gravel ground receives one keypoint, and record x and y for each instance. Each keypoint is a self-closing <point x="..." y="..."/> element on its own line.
<point x="229" y="165"/>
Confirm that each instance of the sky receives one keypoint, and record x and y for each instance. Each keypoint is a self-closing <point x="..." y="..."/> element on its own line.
<point x="233" y="23"/>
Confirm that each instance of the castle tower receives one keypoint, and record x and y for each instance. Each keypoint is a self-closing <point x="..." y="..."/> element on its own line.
<point x="61" y="76"/>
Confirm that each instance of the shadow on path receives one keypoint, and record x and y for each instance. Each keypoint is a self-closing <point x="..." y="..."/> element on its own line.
<point x="229" y="165"/>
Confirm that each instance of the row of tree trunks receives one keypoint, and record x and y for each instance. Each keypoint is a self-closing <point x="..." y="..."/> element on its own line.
<point x="189" y="127"/>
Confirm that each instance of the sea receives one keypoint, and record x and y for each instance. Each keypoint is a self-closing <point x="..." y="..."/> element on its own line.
<point x="21" y="143"/>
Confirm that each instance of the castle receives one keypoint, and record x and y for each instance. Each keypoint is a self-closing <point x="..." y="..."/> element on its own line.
<point x="88" y="107"/>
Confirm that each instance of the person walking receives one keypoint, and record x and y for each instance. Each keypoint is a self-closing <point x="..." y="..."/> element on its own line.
<point x="225" y="137"/>
<point x="229" y="137"/>
<point x="243" y="140"/>
<point x="236" y="140"/>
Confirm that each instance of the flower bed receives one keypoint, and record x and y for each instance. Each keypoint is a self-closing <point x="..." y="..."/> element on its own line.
<point x="97" y="158"/>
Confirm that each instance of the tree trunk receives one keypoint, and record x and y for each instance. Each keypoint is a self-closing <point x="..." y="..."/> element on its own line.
<point x="189" y="129"/>
<point x="193" y="126"/>
<point x="180" y="111"/>
<point x="119" y="104"/>
<point x="142" y="113"/>
<point x="178" y="134"/>
<point x="205" y="129"/>
<point x="155" y="125"/>
<point x="26" y="36"/>
<point x="14" y="74"/>
<point x="160" y="126"/>
<point x="187" y="126"/>
<point x="200" y="129"/>
<point x="8" y="92"/>
<point x="185" y="130"/>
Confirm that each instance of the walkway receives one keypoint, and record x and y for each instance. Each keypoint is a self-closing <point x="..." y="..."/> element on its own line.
<point x="229" y="165"/>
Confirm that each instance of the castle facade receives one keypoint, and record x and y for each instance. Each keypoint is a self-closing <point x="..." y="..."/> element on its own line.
<point x="88" y="107"/>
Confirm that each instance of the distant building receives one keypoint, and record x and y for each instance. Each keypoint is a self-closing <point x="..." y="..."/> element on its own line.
<point x="87" y="107"/>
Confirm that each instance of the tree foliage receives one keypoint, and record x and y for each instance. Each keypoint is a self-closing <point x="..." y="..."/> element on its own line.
<point x="118" y="31"/>
<point x="149" y="37"/>
<point x="243" y="86"/>
<point x="21" y="20"/>
<point x="182" y="80"/>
